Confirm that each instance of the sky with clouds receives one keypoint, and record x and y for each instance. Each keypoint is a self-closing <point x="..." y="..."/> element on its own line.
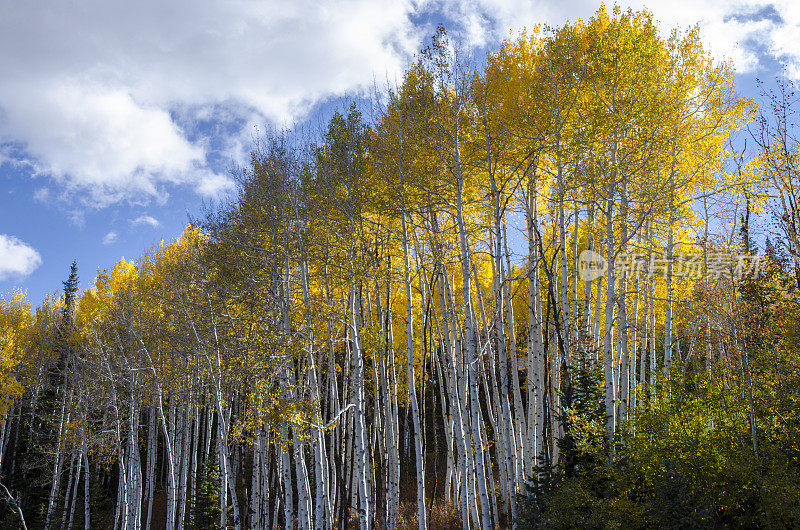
<point x="119" y="120"/>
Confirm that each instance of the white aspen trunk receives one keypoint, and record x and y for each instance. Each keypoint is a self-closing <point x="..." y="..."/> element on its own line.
<point x="229" y="471"/>
<point x="471" y="346"/>
<point x="575" y="326"/>
<point x="180" y="457"/>
<point x="382" y="438"/>
<point x="493" y="497"/>
<point x="389" y="416"/>
<point x="265" y="478"/>
<point x="617" y="345"/>
<point x="668" y="306"/>
<point x="395" y="420"/>
<point x="487" y="344"/>
<point x="277" y="507"/>
<point x="322" y="513"/>
<point x="207" y="430"/>
<point x="85" y="459"/>
<point x="608" y="348"/>
<point x="151" y="462"/>
<point x="447" y="419"/>
<point x="334" y="406"/>
<point x="535" y="368"/>
<point x="412" y="391"/>
<point x="322" y="510"/>
<point x="457" y="397"/>
<point x="172" y="485"/>
<point x="425" y="359"/>
<point x="75" y="490"/>
<point x="349" y="494"/>
<point x="382" y="406"/>
<point x="305" y="510"/>
<point x="503" y="311"/>
<point x="554" y="360"/>
<point x="519" y="411"/>
<point x="622" y="317"/>
<point x="55" y="483"/>
<point x="587" y="290"/>
<point x="168" y="445"/>
<point x="624" y="353"/>
<point x="185" y="462"/>
<point x="361" y="445"/>
<point x="195" y="453"/>
<point x="286" y="469"/>
<point x="598" y="311"/>
<point x="562" y="243"/>
<point x="225" y="464"/>
<point x="652" y="334"/>
<point x="303" y="489"/>
<point x="472" y="479"/>
<point x="70" y="487"/>
<point x="504" y="408"/>
<point x="634" y="340"/>
<point x="255" y="519"/>
<point x="670" y="249"/>
<point x="134" y="479"/>
<point x="497" y="419"/>
<point x="644" y="339"/>
<point x="123" y="497"/>
<point x="86" y="484"/>
<point x="705" y="286"/>
<point x="458" y="402"/>
<point x="258" y="518"/>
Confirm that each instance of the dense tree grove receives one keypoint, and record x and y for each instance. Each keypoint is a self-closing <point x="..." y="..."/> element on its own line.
<point x="398" y="324"/>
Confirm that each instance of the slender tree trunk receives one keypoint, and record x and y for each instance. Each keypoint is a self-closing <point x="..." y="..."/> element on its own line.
<point x="670" y="251"/>
<point x="361" y="446"/>
<point x="608" y="348"/>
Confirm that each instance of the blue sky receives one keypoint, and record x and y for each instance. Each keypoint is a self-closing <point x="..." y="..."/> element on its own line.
<point x="118" y="120"/>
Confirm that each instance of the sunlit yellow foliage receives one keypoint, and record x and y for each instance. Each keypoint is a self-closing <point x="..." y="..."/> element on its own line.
<point x="16" y="334"/>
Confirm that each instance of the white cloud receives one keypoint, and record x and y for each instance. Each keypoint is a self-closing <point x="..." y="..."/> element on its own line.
<point x="97" y="87"/>
<point x="99" y="139"/>
<point x="145" y="220"/>
<point x="41" y="195"/>
<point x="125" y="101"/>
<point x="213" y="185"/>
<point x="110" y="238"/>
<point x="17" y="258"/>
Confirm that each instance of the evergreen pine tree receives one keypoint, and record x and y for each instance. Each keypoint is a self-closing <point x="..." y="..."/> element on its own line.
<point x="205" y="506"/>
<point x="70" y="288"/>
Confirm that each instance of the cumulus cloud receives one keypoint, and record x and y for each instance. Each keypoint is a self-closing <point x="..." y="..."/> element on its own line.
<point x="17" y="258"/>
<point x="97" y="87"/>
<point x="100" y="139"/>
<point x="126" y="101"/>
<point x="110" y="238"/>
<point x="145" y="220"/>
